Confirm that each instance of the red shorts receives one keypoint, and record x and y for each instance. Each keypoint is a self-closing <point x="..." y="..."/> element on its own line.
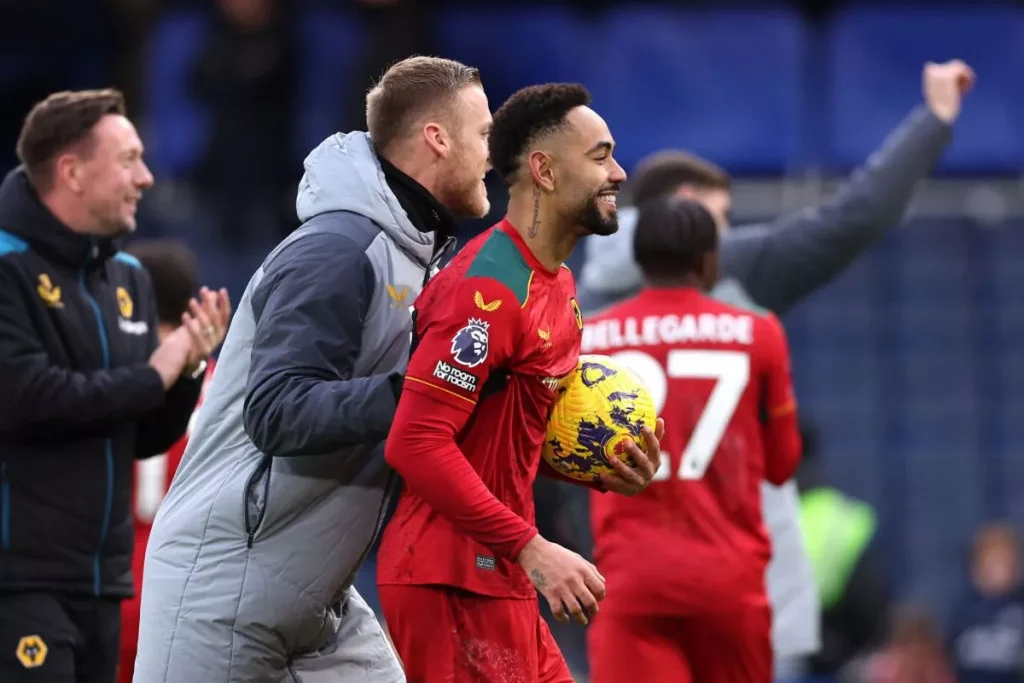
<point x="732" y="648"/>
<point x="451" y="636"/>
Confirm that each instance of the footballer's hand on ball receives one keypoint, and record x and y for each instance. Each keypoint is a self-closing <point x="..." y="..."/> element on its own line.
<point x="571" y="585"/>
<point x="945" y="85"/>
<point x="629" y="481"/>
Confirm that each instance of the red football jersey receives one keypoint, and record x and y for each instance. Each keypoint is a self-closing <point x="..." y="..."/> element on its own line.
<point x="495" y="333"/>
<point x="694" y="541"/>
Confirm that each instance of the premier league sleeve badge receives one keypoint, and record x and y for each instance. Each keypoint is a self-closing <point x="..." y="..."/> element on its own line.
<point x="469" y="345"/>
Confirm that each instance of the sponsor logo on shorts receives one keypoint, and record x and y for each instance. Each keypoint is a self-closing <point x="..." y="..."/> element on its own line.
<point x="484" y="562"/>
<point x="31" y="651"/>
<point x="466" y="381"/>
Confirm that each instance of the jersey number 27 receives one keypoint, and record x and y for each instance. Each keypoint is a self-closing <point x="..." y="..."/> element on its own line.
<point x="731" y="372"/>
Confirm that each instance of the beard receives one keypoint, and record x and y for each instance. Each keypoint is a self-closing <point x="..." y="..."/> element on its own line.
<point x="465" y="195"/>
<point x="594" y="221"/>
<point x="463" y="191"/>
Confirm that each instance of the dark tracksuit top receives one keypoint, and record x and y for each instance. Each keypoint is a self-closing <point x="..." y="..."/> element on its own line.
<point x="78" y="401"/>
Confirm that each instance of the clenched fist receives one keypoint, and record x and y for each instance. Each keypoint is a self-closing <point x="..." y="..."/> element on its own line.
<point x="945" y="85"/>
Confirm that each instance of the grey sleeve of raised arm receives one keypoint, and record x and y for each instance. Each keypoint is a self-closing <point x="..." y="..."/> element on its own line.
<point x="781" y="262"/>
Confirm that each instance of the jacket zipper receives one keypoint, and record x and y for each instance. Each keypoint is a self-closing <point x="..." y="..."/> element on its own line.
<point x="5" y="509"/>
<point x="108" y="447"/>
<point x="263" y="466"/>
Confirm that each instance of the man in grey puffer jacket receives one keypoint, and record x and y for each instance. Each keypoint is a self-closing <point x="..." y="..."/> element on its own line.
<point x="283" y="485"/>
<point x="776" y="265"/>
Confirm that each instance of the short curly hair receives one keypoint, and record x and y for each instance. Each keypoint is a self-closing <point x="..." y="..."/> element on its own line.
<point x="527" y="116"/>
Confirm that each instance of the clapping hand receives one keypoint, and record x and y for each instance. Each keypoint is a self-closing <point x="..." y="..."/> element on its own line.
<point x="207" y="323"/>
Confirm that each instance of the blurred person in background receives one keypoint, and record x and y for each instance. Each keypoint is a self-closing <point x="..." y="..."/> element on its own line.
<point x="283" y="485"/>
<point x="245" y="76"/>
<point x="726" y="394"/>
<point x="173" y="270"/>
<point x="88" y="386"/>
<point x="987" y="638"/>
<point x="778" y="264"/>
<point x="853" y="589"/>
<point x="913" y="653"/>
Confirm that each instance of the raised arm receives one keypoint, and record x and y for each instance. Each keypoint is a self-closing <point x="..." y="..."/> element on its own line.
<point x="781" y="262"/>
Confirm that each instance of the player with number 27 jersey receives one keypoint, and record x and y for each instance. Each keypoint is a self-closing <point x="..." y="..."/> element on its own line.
<point x="720" y="379"/>
<point x="685" y="559"/>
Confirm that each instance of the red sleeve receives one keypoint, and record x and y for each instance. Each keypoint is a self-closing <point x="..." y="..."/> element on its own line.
<point x="463" y="333"/>
<point x="463" y="337"/>
<point x="781" y="430"/>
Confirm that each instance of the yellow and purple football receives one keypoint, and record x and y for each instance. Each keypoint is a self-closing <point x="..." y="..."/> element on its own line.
<point x="600" y="408"/>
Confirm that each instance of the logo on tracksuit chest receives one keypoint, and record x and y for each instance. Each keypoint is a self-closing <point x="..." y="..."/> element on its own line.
<point x="126" y="307"/>
<point x="48" y="292"/>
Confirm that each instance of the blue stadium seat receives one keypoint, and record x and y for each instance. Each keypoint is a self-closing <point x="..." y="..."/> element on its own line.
<point x="332" y="43"/>
<point x="516" y="47"/>
<point x="875" y="54"/>
<point x="723" y="83"/>
<point x="720" y="83"/>
<point x="175" y="126"/>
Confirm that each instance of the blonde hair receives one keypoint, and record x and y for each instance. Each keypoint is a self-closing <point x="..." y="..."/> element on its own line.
<point x="410" y="89"/>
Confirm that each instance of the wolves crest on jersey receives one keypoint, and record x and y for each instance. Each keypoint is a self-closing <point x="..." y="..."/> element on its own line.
<point x="469" y="345"/>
